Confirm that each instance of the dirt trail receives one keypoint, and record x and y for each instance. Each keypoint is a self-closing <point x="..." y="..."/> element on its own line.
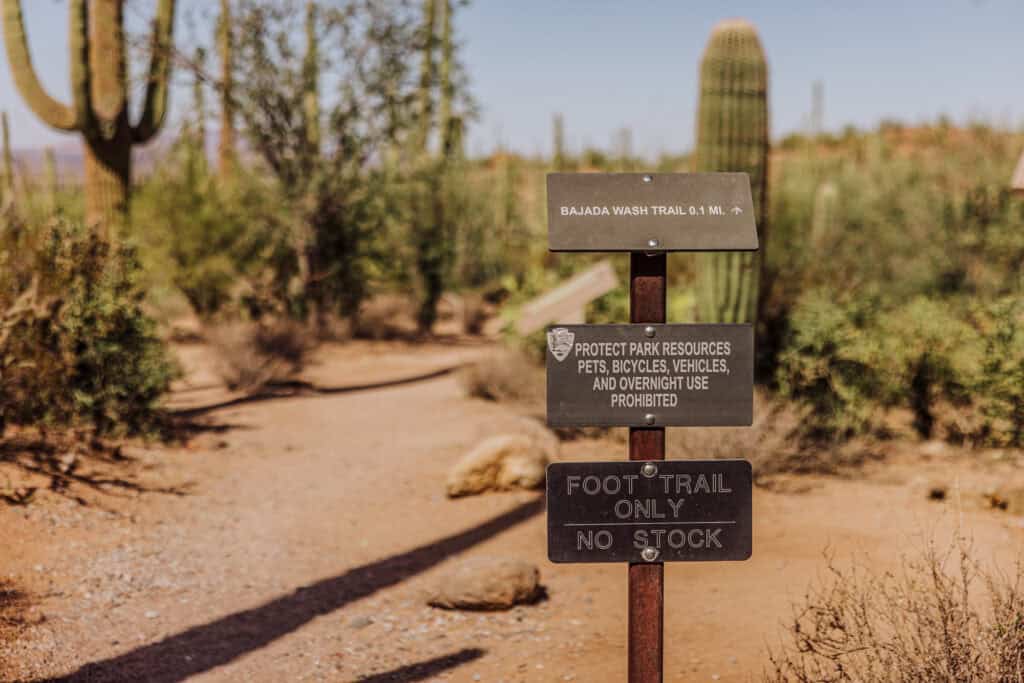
<point x="317" y="522"/>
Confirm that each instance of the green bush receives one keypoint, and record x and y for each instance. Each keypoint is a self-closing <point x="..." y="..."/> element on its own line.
<point x="222" y="245"/>
<point x="76" y="348"/>
<point x="999" y="389"/>
<point x="831" y="365"/>
<point x="848" y="363"/>
<point x="934" y="359"/>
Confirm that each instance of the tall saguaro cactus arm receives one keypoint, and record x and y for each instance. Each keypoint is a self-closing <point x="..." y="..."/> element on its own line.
<point x="158" y="85"/>
<point x="311" y="80"/>
<point x="225" y="43"/>
<point x="107" y="67"/>
<point x="447" y="118"/>
<point x="51" y="111"/>
<point x="427" y="75"/>
<point x="78" y="43"/>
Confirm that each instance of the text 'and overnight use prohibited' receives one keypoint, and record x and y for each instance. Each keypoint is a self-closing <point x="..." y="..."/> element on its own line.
<point x="649" y="511"/>
<point x="650" y="375"/>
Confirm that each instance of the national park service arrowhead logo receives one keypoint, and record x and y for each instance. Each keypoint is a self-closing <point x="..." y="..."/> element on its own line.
<point x="560" y="342"/>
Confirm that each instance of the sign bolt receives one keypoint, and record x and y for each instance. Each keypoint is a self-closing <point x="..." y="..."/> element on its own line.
<point x="649" y="418"/>
<point x="649" y="469"/>
<point x="653" y="243"/>
<point x="649" y="554"/>
<point x="649" y="331"/>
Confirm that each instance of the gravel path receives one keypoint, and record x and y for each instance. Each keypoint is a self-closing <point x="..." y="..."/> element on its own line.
<point x="316" y="524"/>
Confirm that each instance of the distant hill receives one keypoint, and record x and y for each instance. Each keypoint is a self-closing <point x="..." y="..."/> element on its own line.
<point x="71" y="160"/>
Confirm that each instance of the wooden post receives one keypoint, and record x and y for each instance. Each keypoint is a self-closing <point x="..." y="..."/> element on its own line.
<point x="646" y="581"/>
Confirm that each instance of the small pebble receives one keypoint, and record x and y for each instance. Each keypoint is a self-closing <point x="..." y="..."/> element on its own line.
<point x="360" y="622"/>
<point x="152" y="614"/>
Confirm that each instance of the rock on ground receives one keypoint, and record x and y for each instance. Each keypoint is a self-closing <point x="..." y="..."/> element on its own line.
<point x="1008" y="498"/>
<point x="544" y="438"/>
<point x="487" y="583"/>
<point x="500" y="463"/>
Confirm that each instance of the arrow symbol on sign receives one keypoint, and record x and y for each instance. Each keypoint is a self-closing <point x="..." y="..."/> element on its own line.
<point x="737" y="210"/>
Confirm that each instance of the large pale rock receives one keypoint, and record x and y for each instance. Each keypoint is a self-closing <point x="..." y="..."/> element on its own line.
<point x="499" y="463"/>
<point x="487" y="583"/>
<point x="544" y="438"/>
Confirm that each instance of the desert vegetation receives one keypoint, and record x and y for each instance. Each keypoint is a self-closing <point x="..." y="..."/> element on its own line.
<point x="885" y="295"/>
<point x="939" y="617"/>
<point x="342" y="204"/>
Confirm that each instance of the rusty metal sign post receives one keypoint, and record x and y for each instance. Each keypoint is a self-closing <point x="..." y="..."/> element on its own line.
<point x="646" y="639"/>
<point x="648" y="215"/>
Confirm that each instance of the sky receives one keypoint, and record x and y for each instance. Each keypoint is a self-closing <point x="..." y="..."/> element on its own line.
<point x="607" y="65"/>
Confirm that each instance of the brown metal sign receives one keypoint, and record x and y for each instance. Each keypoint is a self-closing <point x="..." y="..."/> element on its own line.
<point x="650" y="375"/>
<point x="650" y="212"/>
<point x="649" y="511"/>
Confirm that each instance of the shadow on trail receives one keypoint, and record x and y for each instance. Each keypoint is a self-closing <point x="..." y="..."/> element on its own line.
<point x="422" y="670"/>
<point x="295" y="389"/>
<point x="69" y="466"/>
<point x="12" y="604"/>
<point x="219" y="642"/>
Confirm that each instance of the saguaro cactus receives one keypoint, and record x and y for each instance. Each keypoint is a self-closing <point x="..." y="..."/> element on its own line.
<point x="199" y="99"/>
<point x="451" y="125"/>
<point x="7" y="191"/>
<point x="732" y="135"/>
<point x="425" y="95"/>
<point x="824" y="220"/>
<point x="51" y="177"/>
<point x="226" y="47"/>
<point x="558" y="142"/>
<point x="99" y="93"/>
<point x="311" y="80"/>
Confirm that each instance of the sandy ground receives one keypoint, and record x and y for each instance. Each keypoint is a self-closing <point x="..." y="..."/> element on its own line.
<point x="315" y="524"/>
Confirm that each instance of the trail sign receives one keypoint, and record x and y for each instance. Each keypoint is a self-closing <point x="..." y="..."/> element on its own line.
<point x="650" y="375"/>
<point x="650" y="212"/>
<point x="664" y="511"/>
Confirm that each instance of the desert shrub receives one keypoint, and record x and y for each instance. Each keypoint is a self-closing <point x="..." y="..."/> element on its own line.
<point x="386" y="316"/>
<point x="922" y="212"/>
<point x="224" y="246"/>
<point x="505" y="376"/>
<point x="934" y="358"/>
<point x="940" y="617"/>
<point x="475" y="313"/>
<point x="999" y="390"/>
<point x="76" y="347"/>
<point x="848" y="363"/>
<point x="331" y="158"/>
<point x="831" y="365"/>
<point x="252" y="355"/>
